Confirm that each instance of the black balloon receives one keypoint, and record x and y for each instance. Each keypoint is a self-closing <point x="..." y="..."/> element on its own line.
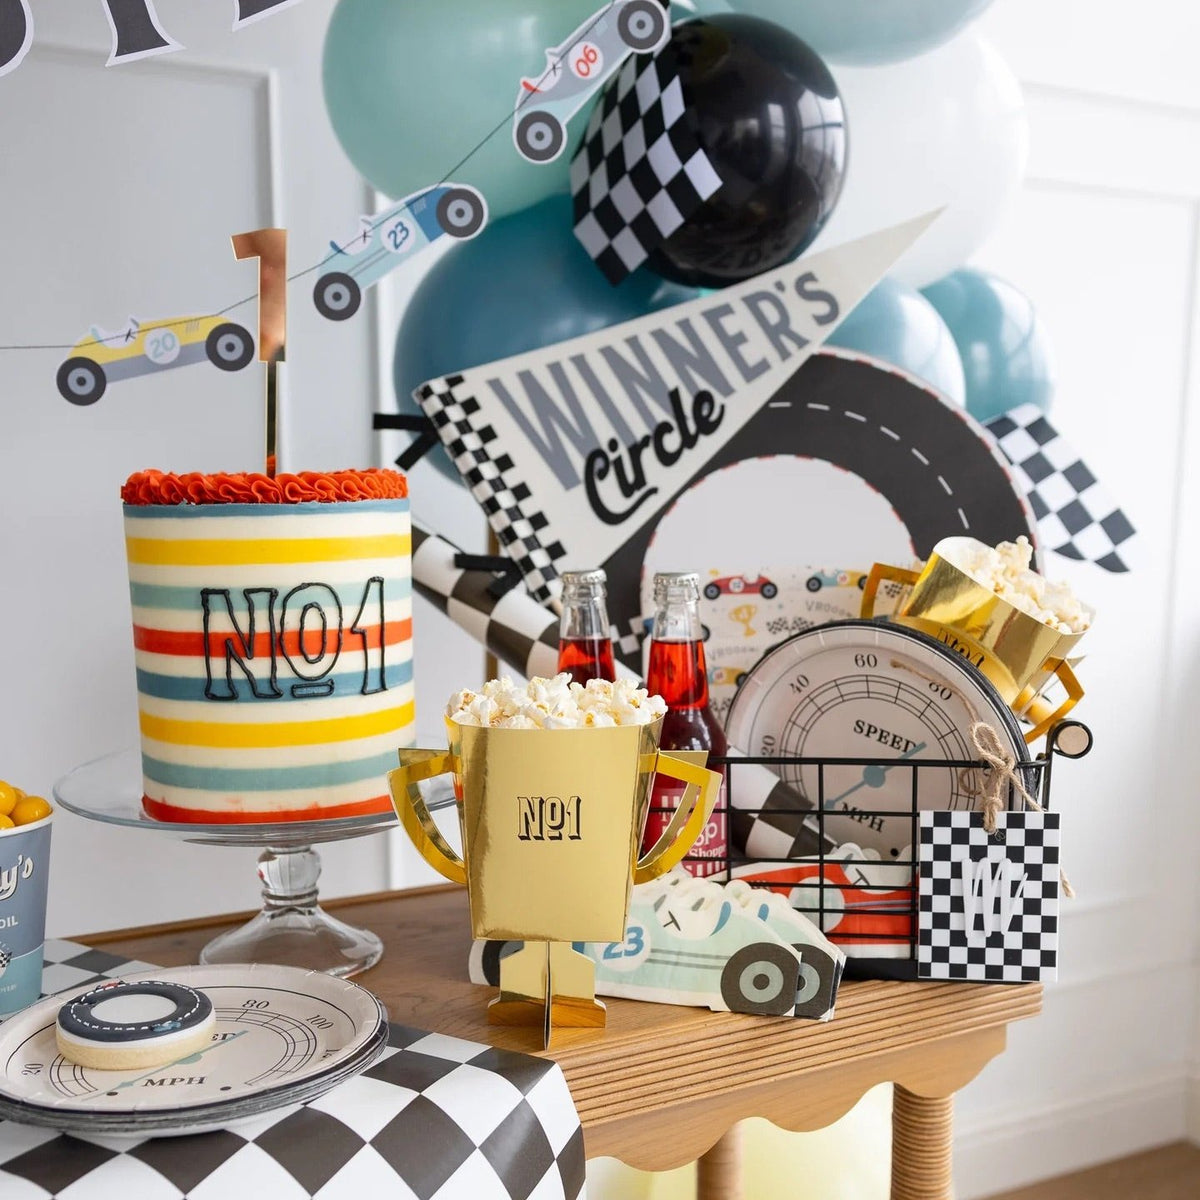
<point x="771" y="122"/>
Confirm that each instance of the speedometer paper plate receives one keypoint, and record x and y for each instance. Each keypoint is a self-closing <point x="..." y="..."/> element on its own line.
<point x="281" y="1033"/>
<point x="864" y="690"/>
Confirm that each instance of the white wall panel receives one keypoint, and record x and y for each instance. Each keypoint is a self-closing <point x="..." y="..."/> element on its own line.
<point x="119" y="190"/>
<point x="1103" y="238"/>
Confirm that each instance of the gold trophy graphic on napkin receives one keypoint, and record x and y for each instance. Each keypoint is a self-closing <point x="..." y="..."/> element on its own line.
<point x="1017" y="652"/>
<point x="551" y="822"/>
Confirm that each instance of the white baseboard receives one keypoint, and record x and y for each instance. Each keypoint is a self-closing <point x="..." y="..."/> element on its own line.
<point x="992" y="1157"/>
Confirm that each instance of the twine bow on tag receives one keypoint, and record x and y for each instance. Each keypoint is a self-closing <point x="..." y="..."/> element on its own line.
<point x="1001" y="776"/>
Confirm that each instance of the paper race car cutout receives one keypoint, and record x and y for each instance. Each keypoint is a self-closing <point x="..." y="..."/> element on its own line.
<point x="727" y="947"/>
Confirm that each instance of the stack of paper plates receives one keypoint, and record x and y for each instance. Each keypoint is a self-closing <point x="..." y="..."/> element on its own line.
<point x="283" y="1036"/>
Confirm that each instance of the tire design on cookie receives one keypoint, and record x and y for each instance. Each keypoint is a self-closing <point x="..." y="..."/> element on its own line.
<point x="148" y="1037"/>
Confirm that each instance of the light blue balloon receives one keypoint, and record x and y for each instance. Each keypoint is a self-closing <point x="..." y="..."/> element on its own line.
<point x="867" y="32"/>
<point x="895" y="323"/>
<point x="1005" y="353"/>
<point x="523" y="283"/>
<point x="412" y="87"/>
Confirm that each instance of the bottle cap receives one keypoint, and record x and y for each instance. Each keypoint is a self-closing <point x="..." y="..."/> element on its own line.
<point x="584" y="578"/>
<point x="676" y="585"/>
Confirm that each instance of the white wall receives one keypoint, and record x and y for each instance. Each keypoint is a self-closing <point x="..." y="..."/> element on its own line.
<point x="119" y="189"/>
<point x="118" y="192"/>
<point x="1104" y="238"/>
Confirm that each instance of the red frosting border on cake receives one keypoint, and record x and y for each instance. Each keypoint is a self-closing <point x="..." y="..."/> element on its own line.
<point x="167" y="813"/>
<point x="326" y="487"/>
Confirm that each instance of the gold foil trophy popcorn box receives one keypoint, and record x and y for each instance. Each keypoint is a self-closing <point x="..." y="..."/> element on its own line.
<point x="551" y="821"/>
<point x="1018" y="653"/>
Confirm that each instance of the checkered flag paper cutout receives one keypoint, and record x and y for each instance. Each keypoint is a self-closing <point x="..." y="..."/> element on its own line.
<point x="515" y="627"/>
<point x="504" y="498"/>
<point x="1012" y="934"/>
<point x="1075" y="516"/>
<point x="640" y="171"/>
<point x="435" y="1118"/>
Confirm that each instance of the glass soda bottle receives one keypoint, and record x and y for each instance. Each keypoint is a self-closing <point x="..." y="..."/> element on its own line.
<point x="585" y="648"/>
<point x="678" y="674"/>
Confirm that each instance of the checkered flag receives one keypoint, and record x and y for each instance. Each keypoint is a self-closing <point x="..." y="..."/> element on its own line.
<point x="514" y="627"/>
<point x="988" y="908"/>
<point x="504" y="498"/>
<point x="640" y="171"/>
<point x="1075" y="516"/>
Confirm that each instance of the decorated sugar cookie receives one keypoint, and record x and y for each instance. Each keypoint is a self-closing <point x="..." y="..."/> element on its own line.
<point x="124" y="1025"/>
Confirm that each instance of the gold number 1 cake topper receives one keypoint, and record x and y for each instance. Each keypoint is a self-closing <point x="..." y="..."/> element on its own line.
<point x="269" y="246"/>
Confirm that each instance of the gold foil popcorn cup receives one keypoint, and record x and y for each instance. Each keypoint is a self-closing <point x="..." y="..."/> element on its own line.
<point x="551" y="823"/>
<point x="1018" y="653"/>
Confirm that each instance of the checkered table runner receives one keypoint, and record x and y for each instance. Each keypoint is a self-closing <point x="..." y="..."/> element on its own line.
<point x="1076" y="517"/>
<point x="640" y="171"/>
<point x="436" y="1118"/>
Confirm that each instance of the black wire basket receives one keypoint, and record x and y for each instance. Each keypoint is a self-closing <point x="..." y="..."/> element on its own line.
<point x="866" y="905"/>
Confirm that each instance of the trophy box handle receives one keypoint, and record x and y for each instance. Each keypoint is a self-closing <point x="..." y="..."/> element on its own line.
<point x="415" y="767"/>
<point x="689" y="818"/>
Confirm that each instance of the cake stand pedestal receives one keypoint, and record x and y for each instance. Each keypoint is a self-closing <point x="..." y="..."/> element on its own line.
<point x="292" y="929"/>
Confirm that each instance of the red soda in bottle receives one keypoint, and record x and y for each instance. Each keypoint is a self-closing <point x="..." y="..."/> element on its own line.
<point x="678" y="674"/>
<point x="584" y="641"/>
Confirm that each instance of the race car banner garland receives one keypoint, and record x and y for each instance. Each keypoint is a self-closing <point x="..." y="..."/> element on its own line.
<point x="1076" y="517"/>
<point x="572" y="448"/>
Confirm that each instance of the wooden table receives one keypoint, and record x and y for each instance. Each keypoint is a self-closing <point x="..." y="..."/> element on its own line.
<point x="664" y="1085"/>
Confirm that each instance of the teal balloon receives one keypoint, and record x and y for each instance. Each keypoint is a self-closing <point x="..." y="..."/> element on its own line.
<point x="525" y="282"/>
<point x="867" y="32"/>
<point x="895" y="323"/>
<point x="414" y="87"/>
<point x="1005" y="352"/>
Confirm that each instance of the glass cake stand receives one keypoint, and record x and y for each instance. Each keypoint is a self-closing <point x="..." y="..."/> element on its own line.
<point x="292" y="929"/>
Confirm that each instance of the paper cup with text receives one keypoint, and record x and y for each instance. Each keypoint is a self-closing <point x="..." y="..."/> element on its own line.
<point x="24" y="874"/>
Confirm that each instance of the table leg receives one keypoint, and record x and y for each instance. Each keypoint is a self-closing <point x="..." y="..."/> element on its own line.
<point x="719" y="1169"/>
<point x="922" y="1130"/>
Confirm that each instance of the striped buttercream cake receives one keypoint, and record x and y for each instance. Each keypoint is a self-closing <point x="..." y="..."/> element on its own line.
<point x="273" y="645"/>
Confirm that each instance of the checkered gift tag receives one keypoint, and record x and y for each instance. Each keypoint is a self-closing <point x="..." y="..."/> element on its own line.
<point x="640" y="171"/>
<point x="435" y="1118"/>
<point x="988" y="902"/>
<point x="1076" y="517"/>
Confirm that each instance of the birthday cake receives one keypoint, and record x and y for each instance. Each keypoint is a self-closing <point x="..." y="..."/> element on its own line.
<point x="272" y="625"/>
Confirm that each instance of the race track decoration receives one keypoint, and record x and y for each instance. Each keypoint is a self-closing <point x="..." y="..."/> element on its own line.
<point x="137" y="30"/>
<point x="988" y="902"/>
<point x="1076" y="517"/>
<point x="640" y="171"/>
<point x="573" y="448"/>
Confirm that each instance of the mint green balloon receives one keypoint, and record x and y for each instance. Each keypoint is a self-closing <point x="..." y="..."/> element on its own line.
<point x="413" y="86"/>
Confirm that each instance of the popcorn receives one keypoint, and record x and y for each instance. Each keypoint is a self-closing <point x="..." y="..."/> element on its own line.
<point x="1007" y="572"/>
<point x="555" y="703"/>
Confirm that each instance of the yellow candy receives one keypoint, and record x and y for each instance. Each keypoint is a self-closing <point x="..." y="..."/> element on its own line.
<point x="6" y="822"/>
<point x="30" y="809"/>
<point x="9" y="796"/>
